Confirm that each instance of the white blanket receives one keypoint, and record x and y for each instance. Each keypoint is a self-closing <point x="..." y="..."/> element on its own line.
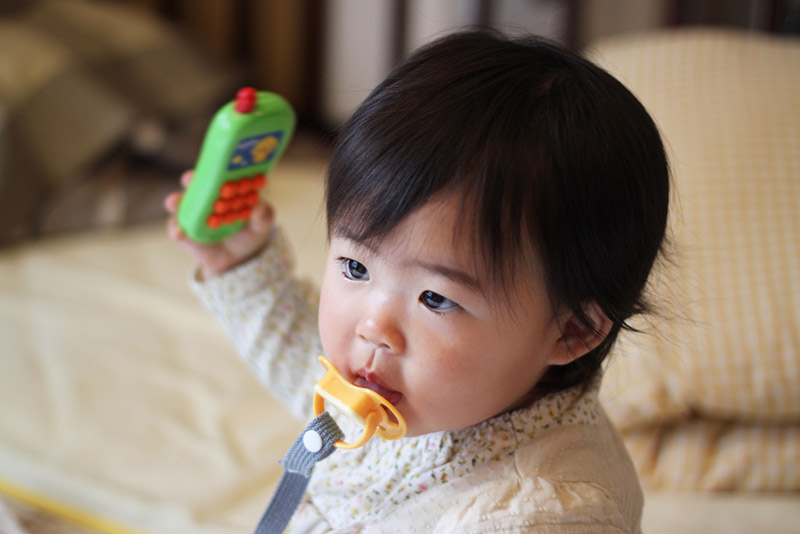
<point x="121" y="397"/>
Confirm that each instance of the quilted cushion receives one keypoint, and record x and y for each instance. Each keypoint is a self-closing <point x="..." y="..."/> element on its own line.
<point x="719" y="369"/>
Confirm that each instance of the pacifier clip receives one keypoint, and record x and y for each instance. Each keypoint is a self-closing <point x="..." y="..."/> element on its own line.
<point x="322" y="436"/>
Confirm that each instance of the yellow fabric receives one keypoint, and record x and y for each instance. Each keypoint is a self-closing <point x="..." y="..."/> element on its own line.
<point x="721" y="374"/>
<point x="83" y="518"/>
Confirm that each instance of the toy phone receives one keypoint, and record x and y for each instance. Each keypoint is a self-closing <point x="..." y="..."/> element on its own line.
<point x="245" y="139"/>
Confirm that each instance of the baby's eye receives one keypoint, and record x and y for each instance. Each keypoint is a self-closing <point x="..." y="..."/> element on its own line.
<point x="354" y="270"/>
<point x="436" y="302"/>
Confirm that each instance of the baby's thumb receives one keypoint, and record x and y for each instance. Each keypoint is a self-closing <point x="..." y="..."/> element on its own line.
<point x="262" y="218"/>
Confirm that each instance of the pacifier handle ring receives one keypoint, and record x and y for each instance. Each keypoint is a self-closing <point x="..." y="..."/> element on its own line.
<point x="388" y="427"/>
<point x="370" y="425"/>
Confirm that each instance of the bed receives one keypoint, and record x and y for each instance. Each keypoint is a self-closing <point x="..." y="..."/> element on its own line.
<point x="123" y="408"/>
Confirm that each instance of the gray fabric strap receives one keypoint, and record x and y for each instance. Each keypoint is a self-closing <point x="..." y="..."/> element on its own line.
<point x="315" y="443"/>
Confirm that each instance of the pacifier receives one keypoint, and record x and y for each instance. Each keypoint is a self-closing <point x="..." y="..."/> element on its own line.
<point x="362" y="405"/>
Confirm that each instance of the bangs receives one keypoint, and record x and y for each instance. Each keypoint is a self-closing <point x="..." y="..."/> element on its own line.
<point x="410" y="141"/>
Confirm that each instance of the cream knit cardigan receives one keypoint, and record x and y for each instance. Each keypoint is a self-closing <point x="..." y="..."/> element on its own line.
<point x="557" y="466"/>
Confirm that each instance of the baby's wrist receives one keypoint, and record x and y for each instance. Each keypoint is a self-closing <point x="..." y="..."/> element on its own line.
<point x="206" y="271"/>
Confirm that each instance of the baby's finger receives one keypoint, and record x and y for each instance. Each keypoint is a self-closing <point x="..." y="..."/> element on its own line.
<point x="172" y="201"/>
<point x="186" y="178"/>
<point x="174" y="230"/>
<point x="262" y="218"/>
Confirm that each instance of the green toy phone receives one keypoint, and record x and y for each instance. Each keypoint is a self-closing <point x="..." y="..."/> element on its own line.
<point x="243" y="142"/>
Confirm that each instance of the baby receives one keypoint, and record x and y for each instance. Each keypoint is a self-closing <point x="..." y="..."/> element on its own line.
<point x="494" y="209"/>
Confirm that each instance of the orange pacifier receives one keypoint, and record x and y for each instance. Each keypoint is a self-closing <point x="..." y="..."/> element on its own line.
<point x="363" y="405"/>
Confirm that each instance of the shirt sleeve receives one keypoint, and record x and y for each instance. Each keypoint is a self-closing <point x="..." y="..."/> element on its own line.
<point x="271" y="316"/>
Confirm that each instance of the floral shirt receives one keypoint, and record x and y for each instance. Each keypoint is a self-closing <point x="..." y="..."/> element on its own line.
<point x="555" y="466"/>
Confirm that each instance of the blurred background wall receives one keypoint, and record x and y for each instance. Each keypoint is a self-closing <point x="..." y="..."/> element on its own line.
<point x="325" y="55"/>
<point x="104" y="102"/>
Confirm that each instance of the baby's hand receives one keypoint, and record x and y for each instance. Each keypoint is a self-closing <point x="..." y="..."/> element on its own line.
<point x="214" y="259"/>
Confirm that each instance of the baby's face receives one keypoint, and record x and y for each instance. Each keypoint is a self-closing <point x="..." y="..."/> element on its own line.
<point x="414" y="321"/>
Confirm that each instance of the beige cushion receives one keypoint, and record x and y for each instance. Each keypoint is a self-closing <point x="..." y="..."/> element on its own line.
<point x="726" y="350"/>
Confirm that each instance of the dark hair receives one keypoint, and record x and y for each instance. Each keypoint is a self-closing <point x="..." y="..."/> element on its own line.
<point x="545" y="149"/>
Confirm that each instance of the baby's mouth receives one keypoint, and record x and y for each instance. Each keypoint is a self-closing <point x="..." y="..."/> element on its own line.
<point x="370" y="382"/>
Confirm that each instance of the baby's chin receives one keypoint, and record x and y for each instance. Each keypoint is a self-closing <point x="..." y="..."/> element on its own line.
<point x="419" y="426"/>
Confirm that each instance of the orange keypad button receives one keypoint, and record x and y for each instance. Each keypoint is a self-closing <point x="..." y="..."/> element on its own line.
<point x="236" y="201"/>
<point x="221" y="206"/>
<point x="214" y="222"/>
<point x="228" y="190"/>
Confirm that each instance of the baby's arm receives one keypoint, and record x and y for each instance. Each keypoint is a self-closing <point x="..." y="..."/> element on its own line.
<point x="247" y="282"/>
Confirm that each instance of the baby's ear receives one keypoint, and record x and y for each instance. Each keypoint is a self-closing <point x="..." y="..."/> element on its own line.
<point x="576" y="338"/>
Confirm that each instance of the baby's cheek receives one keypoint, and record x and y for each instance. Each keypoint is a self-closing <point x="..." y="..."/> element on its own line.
<point x="328" y="322"/>
<point x="443" y="398"/>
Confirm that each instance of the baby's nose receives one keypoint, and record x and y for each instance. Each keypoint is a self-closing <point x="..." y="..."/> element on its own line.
<point x="382" y="328"/>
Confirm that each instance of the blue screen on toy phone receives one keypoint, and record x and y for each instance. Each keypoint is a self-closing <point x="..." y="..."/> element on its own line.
<point x="255" y="150"/>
